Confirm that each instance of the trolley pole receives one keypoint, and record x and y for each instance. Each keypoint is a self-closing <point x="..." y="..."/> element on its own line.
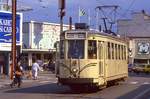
<point x="13" y="45"/>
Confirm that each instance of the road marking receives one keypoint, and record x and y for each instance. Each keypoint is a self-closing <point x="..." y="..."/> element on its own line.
<point x="1" y="86"/>
<point x="140" y="95"/>
<point x="146" y="83"/>
<point x="42" y="82"/>
<point x="133" y="82"/>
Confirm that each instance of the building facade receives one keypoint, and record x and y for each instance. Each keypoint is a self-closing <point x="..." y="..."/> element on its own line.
<point x="4" y="54"/>
<point x="39" y="41"/>
<point x="137" y="32"/>
<point x="4" y="5"/>
<point x="6" y="39"/>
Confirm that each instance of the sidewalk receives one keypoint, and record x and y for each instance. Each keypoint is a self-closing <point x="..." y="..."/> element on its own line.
<point x="43" y="77"/>
<point x="4" y="81"/>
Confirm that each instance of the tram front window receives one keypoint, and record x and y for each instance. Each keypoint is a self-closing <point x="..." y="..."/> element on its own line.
<point x="76" y="49"/>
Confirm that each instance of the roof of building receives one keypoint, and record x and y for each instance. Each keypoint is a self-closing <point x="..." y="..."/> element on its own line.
<point x="138" y="26"/>
<point x="49" y="23"/>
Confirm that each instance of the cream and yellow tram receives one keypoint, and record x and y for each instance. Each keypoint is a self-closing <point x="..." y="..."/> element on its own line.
<point x="91" y="58"/>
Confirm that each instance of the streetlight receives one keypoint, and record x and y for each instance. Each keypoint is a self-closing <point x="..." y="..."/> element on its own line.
<point x="13" y="50"/>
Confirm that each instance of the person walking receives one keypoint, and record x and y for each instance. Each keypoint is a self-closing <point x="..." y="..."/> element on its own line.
<point x="17" y="77"/>
<point x="35" y="69"/>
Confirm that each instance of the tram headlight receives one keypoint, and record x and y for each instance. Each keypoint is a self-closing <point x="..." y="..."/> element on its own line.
<point x="74" y="70"/>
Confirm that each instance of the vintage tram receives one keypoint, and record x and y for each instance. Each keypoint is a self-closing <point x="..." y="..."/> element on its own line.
<point x="90" y="58"/>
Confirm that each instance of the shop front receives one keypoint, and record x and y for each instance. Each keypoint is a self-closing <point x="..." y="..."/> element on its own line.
<point x="41" y="56"/>
<point x="4" y="63"/>
<point x="6" y="39"/>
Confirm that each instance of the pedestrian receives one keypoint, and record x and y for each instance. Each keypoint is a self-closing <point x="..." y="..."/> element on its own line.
<point x="17" y="76"/>
<point x="35" y="69"/>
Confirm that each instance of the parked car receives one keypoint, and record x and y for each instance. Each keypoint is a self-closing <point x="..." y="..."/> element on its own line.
<point x="49" y="65"/>
<point x="138" y="69"/>
<point x="130" y="67"/>
<point x="147" y="69"/>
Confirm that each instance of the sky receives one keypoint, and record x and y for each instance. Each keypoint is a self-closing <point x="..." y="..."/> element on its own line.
<point x="47" y="10"/>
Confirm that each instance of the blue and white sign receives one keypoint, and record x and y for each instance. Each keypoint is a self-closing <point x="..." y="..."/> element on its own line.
<point x="6" y="30"/>
<point x="143" y="48"/>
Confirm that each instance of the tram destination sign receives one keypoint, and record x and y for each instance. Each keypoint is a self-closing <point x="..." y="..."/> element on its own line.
<point x="76" y="35"/>
<point x="6" y="30"/>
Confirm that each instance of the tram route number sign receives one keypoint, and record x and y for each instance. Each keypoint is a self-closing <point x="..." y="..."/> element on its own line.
<point x="6" y="30"/>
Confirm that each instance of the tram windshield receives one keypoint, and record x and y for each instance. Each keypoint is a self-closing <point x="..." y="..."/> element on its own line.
<point x="76" y="49"/>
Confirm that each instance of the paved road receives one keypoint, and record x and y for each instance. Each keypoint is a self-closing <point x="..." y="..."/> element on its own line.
<point x="134" y="88"/>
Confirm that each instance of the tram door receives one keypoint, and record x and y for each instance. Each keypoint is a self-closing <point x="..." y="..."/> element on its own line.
<point x="101" y="52"/>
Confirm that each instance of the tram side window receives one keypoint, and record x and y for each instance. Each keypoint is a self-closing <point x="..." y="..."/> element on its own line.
<point x="92" y="49"/>
<point x="116" y="51"/>
<point x="119" y="52"/>
<point x="122" y="52"/>
<point x="62" y="49"/>
<point x="109" y="51"/>
<point x="125" y="52"/>
<point x="112" y="47"/>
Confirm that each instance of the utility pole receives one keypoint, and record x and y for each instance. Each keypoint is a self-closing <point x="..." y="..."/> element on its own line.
<point x="13" y="45"/>
<point x="70" y="23"/>
<point x="61" y="13"/>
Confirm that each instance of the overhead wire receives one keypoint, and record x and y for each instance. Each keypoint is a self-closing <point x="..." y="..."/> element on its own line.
<point x="128" y="9"/>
